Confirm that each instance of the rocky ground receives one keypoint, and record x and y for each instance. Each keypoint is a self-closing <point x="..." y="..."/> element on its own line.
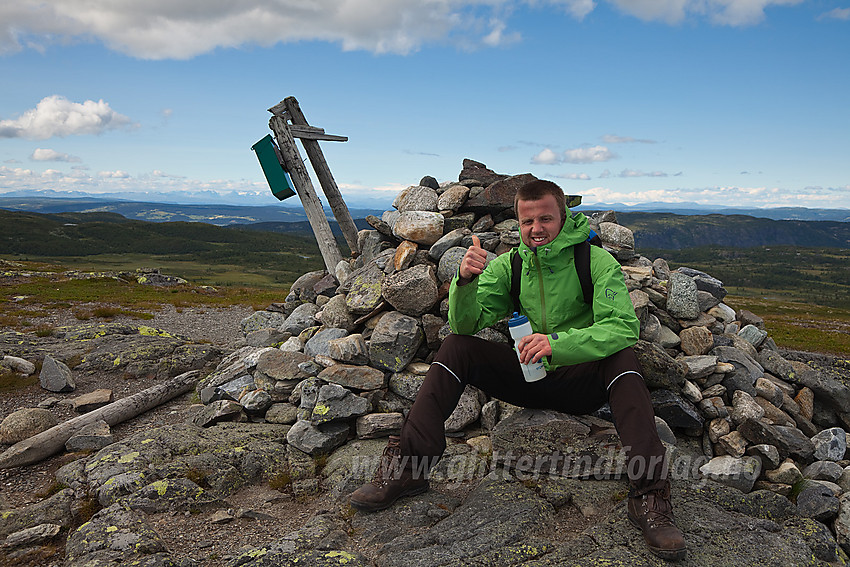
<point x="295" y="402"/>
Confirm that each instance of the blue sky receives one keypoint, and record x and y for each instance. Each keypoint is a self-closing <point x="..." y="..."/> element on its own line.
<point x="723" y="102"/>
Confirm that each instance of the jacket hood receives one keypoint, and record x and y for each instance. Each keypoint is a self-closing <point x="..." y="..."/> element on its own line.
<point x="576" y="229"/>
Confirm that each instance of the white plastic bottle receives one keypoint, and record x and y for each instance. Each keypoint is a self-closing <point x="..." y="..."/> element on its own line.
<point x="520" y="327"/>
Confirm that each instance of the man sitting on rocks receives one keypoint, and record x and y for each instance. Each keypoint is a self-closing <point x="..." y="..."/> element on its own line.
<point x="587" y="350"/>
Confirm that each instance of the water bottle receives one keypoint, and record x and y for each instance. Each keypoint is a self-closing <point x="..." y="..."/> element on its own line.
<point x="520" y="327"/>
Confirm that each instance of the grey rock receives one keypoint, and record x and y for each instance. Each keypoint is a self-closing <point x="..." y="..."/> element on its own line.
<point x="660" y="370"/>
<point x="824" y="470"/>
<point x="335" y="314"/>
<point x="706" y="300"/>
<point x="18" y="365"/>
<point x="774" y="363"/>
<point x="221" y="410"/>
<point x="262" y="320"/>
<point x="675" y="410"/>
<point x="555" y="443"/>
<point x="744" y="407"/>
<point x="352" y="376"/>
<point x="336" y="403"/>
<point x="667" y="338"/>
<point x="682" y="299"/>
<point x="618" y="235"/>
<point x="55" y="509"/>
<point x="416" y="198"/>
<point x="24" y="423"/>
<point x="256" y="402"/>
<point x="91" y="437"/>
<point x="450" y="263"/>
<point x="699" y="366"/>
<point x="351" y="349"/>
<point x="317" y="440"/>
<point x="406" y="384"/>
<point x="36" y="535"/>
<point x="55" y="376"/>
<point x="412" y="291"/>
<point x="265" y="337"/>
<point x="830" y="444"/>
<point x="92" y="400"/>
<point x="497" y="515"/>
<point x="302" y="288"/>
<point x="767" y="453"/>
<point x="364" y="289"/>
<point x="394" y="342"/>
<point x="454" y="222"/>
<point x="817" y="502"/>
<point x="302" y="318"/>
<point x="318" y="344"/>
<point x="753" y="335"/>
<point x="696" y="341"/>
<point x="282" y="413"/>
<point x="376" y="425"/>
<point x="467" y="411"/>
<point x="449" y="240"/>
<point x="452" y="198"/>
<point x="737" y="472"/>
<point x="278" y="372"/>
<point x="789" y="441"/>
<point x="421" y="227"/>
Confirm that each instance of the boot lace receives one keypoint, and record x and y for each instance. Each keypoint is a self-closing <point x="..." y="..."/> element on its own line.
<point x="657" y="508"/>
<point x="388" y="467"/>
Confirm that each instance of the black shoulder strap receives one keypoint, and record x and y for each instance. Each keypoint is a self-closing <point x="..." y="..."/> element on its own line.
<point x="582" y="262"/>
<point x="516" y="272"/>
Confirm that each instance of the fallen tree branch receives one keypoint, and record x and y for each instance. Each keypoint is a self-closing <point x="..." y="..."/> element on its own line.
<point x="51" y="441"/>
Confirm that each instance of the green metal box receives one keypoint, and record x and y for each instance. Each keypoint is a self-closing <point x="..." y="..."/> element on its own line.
<point x="277" y="177"/>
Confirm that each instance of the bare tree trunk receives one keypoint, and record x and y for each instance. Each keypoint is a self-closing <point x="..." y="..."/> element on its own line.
<point x="47" y="443"/>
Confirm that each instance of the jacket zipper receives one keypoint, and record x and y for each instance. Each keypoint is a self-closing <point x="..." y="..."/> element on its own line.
<point x="542" y="297"/>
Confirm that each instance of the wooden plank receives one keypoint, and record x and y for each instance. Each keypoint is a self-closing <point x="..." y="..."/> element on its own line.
<point x="323" y="173"/>
<point x="304" y="187"/>
<point x="313" y="133"/>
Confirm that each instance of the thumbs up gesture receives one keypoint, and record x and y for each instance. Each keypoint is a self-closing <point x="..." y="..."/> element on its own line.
<point x="474" y="260"/>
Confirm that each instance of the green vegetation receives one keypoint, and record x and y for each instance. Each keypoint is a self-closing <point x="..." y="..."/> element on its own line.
<point x="202" y="253"/>
<point x="803" y="294"/>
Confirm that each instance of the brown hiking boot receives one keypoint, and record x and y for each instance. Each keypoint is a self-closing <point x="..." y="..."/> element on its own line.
<point x="653" y="514"/>
<point x="392" y="480"/>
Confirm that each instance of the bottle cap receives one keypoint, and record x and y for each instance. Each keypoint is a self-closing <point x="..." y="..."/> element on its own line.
<point x="517" y="320"/>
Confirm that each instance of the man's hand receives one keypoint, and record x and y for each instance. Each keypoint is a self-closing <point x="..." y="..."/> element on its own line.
<point x="533" y="347"/>
<point x="474" y="260"/>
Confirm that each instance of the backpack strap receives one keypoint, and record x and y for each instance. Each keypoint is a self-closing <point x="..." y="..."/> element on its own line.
<point x="516" y="272"/>
<point x="581" y="252"/>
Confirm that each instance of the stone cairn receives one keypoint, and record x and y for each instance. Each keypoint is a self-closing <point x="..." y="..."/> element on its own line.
<point x="344" y="356"/>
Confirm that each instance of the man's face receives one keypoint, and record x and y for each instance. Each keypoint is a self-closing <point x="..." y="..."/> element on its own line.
<point x="539" y="221"/>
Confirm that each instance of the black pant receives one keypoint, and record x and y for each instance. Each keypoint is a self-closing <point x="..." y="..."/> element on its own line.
<point x="577" y="389"/>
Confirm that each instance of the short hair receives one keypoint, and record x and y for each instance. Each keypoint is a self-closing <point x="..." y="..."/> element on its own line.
<point x="536" y="190"/>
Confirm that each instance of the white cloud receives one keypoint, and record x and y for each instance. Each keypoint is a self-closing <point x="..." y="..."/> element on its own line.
<point x="574" y="176"/>
<point x="57" y="116"/>
<point x="546" y="157"/>
<point x="724" y="12"/>
<point x="588" y="155"/>
<point x="181" y="29"/>
<point x="591" y="154"/>
<point x="117" y="174"/>
<point x="614" y="139"/>
<point x="44" y="154"/>
<point x="638" y="173"/>
<point x="836" y="14"/>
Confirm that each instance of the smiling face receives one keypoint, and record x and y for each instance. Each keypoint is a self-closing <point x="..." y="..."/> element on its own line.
<point x="540" y="220"/>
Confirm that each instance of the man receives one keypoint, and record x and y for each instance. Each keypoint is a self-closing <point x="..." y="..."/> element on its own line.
<point x="587" y="350"/>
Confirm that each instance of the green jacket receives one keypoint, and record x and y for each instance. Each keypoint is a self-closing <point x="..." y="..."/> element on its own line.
<point x="551" y="297"/>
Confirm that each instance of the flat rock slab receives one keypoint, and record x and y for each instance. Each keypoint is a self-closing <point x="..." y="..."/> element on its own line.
<point x="550" y="442"/>
<point x="498" y="514"/>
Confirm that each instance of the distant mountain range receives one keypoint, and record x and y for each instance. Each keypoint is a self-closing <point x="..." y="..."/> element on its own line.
<point x="226" y="213"/>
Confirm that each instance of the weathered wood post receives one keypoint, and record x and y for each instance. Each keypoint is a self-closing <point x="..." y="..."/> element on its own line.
<point x="304" y="187"/>
<point x="323" y="173"/>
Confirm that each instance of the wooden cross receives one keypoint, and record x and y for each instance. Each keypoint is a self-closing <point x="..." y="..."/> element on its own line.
<point x="288" y="123"/>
